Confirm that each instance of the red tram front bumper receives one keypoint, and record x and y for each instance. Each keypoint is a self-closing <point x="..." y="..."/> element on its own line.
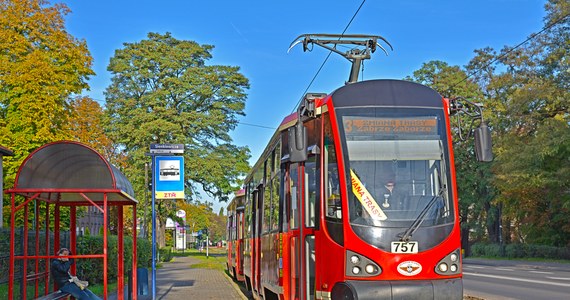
<point x="413" y="289"/>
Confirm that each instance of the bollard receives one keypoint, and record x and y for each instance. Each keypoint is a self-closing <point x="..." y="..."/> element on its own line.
<point x="142" y="281"/>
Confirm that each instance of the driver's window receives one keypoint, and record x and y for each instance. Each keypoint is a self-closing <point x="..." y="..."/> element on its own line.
<point x="333" y="207"/>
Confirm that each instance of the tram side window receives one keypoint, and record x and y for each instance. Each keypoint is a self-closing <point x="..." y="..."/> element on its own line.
<point x="311" y="177"/>
<point x="294" y="200"/>
<point x="275" y="202"/>
<point x="278" y="187"/>
<point x="229" y="229"/>
<point x="333" y="202"/>
<point x="234" y="225"/>
<point x="284" y="197"/>
<point x="267" y="200"/>
<point x="312" y="171"/>
<point x="233" y="237"/>
<point x="248" y="210"/>
<point x="239" y="227"/>
<point x="274" y="191"/>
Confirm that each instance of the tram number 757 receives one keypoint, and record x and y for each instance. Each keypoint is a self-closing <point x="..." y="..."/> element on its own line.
<point x="405" y="247"/>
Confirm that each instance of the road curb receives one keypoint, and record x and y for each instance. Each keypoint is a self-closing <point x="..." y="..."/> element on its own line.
<point x="235" y="286"/>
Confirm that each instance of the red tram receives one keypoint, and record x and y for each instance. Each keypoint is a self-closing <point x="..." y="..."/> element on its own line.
<point x="355" y="197"/>
<point x="234" y="236"/>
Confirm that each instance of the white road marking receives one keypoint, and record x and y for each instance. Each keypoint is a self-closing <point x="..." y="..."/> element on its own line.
<point x="558" y="278"/>
<point x="504" y="269"/>
<point x="540" y="272"/>
<point x="473" y="267"/>
<point x="517" y="279"/>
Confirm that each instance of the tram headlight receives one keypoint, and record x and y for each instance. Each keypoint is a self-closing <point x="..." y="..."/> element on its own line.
<point x="453" y="257"/>
<point x="450" y="264"/>
<point x="355" y="270"/>
<point x="453" y="268"/>
<point x="358" y="265"/>
<point x="354" y="259"/>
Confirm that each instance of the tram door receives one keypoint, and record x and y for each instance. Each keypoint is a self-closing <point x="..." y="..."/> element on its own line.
<point x="302" y="221"/>
<point x="256" y="259"/>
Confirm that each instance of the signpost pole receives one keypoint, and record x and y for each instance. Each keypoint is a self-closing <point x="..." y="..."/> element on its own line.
<point x="170" y="184"/>
<point x="153" y="230"/>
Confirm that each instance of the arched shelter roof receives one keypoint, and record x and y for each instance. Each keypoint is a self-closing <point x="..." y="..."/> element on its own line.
<point x="5" y="151"/>
<point x="71" y="172"/>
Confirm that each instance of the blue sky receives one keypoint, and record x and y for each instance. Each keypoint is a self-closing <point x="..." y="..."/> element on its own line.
<point x="255" y="36"/>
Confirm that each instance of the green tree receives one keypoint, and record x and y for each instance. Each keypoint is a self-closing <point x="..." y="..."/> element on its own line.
<point x="41" y="65"/>
<point x="200" y="216"/>
<point x="86" y="126"/>
<point x="163" y="91"/>
<point x="530" y="116"/>
<point x="197" y="215"/>
<point x="218" y="228"/>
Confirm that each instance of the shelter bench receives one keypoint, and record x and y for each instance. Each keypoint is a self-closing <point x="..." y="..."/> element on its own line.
<point x="51" y="296"/>
<point x="55" y="295"/>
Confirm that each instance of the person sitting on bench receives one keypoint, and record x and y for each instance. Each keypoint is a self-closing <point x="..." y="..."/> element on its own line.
<point x="60" y="272"/>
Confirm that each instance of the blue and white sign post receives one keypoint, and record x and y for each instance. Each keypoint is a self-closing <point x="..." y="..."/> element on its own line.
<point x="169" y="172"/>
<point x="167" y="183"/>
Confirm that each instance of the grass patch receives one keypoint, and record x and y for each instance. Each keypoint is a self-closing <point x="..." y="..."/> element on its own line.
<point x="216" y="259"/>
<point x="30" y="290"/>
<point x="97" y="289"/>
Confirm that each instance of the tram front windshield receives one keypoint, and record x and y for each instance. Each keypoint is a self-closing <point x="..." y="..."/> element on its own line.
<point x="396" y="172"/>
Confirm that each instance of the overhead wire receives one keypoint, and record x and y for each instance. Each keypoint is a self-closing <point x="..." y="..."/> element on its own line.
<point x="102" y="102"/>
<point x="255" y="125"/>
<point x="532" y="36"/>
<point x="318" y="71"/>
<point x="327" y="58"/>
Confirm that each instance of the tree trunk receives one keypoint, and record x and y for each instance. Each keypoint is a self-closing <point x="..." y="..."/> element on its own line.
<point x="160" y="232"/>
<point x="492" y="223"/>
<point x="465" y="242"/>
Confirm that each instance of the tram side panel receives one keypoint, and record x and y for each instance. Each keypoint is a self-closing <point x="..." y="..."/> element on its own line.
<point x="248" y="240"/>
<point x="239" y="248"/>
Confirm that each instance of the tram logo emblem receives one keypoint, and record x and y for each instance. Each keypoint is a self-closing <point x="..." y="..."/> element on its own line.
<point x="409" y="268"/>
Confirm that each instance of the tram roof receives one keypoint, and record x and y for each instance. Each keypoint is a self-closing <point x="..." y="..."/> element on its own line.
<point x="389" y="92"/>
<point x="71" y="172"/>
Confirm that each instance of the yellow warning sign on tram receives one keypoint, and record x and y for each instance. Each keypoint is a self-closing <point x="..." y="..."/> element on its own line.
<point x="366" y="199"/>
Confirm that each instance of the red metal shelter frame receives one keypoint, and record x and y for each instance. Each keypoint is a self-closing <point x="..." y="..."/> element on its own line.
<point x="71" y="174"/>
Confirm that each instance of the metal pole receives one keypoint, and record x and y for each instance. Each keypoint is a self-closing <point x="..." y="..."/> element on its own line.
<point x="105" y="244"/>
<point x="175" y="237"/>
<point x="134" y="274"/>
<point x="153" y="231"/>
<point x="144" y="225"/>
<point x="1" y="189"/>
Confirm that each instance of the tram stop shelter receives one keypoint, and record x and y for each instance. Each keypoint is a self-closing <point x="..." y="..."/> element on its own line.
<point x="66" y="174"/>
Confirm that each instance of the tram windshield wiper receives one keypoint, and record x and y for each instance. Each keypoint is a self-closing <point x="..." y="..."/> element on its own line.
<point x="406" y="235"/>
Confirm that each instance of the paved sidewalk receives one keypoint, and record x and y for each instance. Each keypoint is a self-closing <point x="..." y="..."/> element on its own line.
<point x="176" y="280"/>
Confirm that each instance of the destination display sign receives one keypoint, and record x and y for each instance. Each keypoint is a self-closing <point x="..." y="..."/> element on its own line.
<point x="414" y="125"/>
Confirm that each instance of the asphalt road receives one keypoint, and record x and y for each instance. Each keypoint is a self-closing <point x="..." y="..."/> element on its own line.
<point x="500" y="280"/>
